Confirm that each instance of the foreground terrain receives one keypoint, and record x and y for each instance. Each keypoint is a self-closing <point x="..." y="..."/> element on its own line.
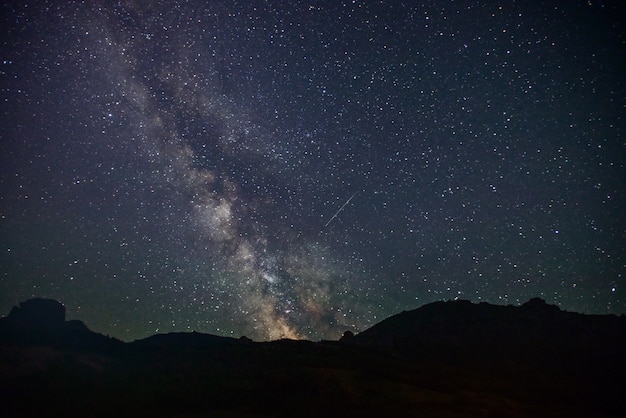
<point x="446" y="359"/>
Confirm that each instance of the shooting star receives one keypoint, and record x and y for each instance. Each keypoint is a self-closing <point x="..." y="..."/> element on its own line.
<point x="340" y="209"/>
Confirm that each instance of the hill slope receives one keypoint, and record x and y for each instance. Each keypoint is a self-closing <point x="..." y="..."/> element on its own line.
<point x="446" y="359"/>
<point x="534" y="330"/>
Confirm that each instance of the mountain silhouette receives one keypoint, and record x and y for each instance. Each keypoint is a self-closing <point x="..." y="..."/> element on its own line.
<point x="184" y="339"/>
<point x="533" y="331"/>
<point x="444" y="359"/>
<point x="42" y="322"/>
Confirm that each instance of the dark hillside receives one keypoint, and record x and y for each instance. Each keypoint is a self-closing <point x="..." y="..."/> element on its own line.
<point x="446" y="359"/>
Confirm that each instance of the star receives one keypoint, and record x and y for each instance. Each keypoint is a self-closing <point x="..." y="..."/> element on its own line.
<point x="302" y="171"/>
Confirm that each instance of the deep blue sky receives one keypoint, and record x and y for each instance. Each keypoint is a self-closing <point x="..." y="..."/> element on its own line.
<point x="172" y="167"/>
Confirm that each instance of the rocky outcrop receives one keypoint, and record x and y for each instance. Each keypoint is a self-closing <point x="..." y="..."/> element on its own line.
<point x="40" y="313"/>
<point x="42" y="322"/>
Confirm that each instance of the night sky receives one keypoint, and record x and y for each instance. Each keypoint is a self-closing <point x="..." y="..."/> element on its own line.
<point x="298" y="169"/>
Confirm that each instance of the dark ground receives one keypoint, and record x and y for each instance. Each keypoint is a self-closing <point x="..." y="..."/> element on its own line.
<point x="389" y="370"/>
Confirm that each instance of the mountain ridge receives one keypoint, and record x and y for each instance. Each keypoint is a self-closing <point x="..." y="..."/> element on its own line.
<point x="444" y="321"/>
<point x="446" y="359"/>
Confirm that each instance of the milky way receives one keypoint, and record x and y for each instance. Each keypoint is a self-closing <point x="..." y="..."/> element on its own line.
<point x="290" y="169"/>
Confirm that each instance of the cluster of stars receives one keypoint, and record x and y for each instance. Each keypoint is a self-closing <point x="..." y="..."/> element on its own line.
<point x="296" y="170"/>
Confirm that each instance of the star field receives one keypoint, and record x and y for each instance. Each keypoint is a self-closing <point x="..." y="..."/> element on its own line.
<point x="298" y="169"/>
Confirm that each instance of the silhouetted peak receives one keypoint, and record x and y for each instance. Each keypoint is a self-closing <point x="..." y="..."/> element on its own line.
<point x="185" y="339"/>
<point x="40" y="312"/>
<point x="463" y="323"/>
<point x="347" y="336"/>
<point x="538" y="304"/>
<point x="42" y="322"/>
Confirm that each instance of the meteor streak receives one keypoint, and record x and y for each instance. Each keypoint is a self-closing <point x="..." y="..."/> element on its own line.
<point x="340" y="209"/>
